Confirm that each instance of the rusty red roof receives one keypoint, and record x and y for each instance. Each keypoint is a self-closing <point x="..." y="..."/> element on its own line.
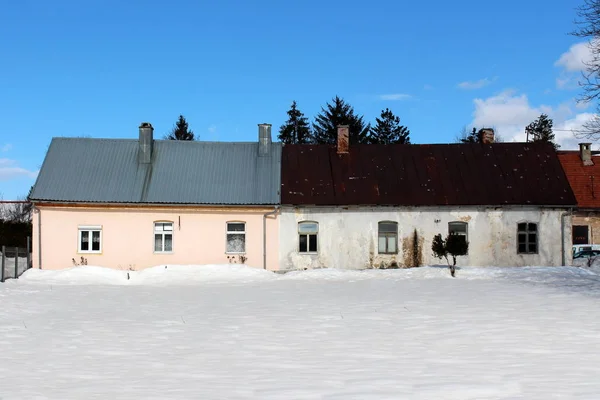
<point x="584" y="179"/>
<point x="424" y="175"/>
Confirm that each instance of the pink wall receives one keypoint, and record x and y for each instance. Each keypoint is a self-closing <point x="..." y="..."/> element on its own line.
<point x="199" y="236"/>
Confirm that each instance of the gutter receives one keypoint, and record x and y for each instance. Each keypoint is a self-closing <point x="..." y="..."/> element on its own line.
<point x="37" y="211"/>
<point x="265" y="215"/>
<point x="569" y="213"/>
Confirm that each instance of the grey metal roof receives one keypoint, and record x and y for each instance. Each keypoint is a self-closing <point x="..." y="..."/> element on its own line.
<point x="107" y="170"/>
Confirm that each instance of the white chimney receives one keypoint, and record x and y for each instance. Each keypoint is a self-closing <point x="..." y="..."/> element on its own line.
<point x="145" y="143"/>
<point x="264" y="139"/>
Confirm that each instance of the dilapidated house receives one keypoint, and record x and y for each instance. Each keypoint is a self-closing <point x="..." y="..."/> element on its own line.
<point x="373" y="206"/>
<point x="583" y="172"/>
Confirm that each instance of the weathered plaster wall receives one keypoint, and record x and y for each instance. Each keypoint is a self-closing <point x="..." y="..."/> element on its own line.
<point x="199" y="236"/>
<point x="348" y="237"/>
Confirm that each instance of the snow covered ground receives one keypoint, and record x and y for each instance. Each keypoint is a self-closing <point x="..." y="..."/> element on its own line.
<point x="231" y="332"/>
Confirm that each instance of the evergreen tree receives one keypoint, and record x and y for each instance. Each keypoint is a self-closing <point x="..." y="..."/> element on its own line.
<point x="470" y="137"/>
<point x="388" y="129"/>
<point x="454" y="245"/>
<point x="475" y="136"/>
<point x="180" y="131"/>
<point x="339" y="113"/>
<point x="296" y="129"/>
<point x="540" y="130"/>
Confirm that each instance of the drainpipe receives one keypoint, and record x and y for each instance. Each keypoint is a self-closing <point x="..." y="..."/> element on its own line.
<point x="562" y="235"/>
<point x="265" y="234"/>
<point x="39" y="214"/>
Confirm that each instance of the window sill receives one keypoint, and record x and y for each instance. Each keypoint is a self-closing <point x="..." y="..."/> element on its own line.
<point x="88" y="252"/>
<point x="163" y="252"/>
<point x="387" y="254"/>
<point x="235" y="254"/>
<point x="308" y="253"/>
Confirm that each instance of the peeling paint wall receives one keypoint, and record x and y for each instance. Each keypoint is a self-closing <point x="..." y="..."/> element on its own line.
<point x="348" y="237"/>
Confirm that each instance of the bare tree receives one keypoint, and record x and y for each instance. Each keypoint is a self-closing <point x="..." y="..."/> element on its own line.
<point x="588" y="27"/>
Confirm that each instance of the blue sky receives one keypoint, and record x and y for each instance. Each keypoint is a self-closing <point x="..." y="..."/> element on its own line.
<point x="98" y="68"/>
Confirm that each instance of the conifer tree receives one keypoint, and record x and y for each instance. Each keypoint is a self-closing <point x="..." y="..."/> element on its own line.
<point x="180" y="131"/>
<point x="296" y="129"/>
<point x="339" y="113"/>
<point x="388" y="130"/>
<point x="540" y="130"/>
<point x="470" y="137"/>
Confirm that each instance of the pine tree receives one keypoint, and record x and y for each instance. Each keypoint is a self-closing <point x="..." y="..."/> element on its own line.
<point x="181" y="131"/>
<point x="296" y="129"/>
<point x="388" y="129"/>
<point x="339" y="113"/>
<point x="540" y="130"/>
<point x="470" y="137"/>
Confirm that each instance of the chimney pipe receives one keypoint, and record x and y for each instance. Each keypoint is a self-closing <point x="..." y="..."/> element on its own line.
<point x="487" y="135"/>
<point x="585" y="152"/>
<point x="264" y="140"/>
<point x="145" y="143"/>
<point x="343" y="139"/>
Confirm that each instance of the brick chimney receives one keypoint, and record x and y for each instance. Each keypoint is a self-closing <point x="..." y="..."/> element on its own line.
<point x="585" y="152"/>
<point x="343" y="139"/>
<point x="146" y="140"/>
<point x="487" y="135"/>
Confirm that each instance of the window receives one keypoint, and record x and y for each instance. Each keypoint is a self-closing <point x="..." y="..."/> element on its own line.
<point x="459" y="228"/>
<point x="90" y="239"/>
<point x="580" y="234"/>
<point x="307" y="237"/>
<point x="236" y="237"/>
<point x="388" y="238"/>
<point x="163" y="237"/>
<point x="527" y="234"/>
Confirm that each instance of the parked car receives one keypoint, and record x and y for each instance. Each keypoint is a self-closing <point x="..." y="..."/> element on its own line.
<point x="586" y="254"/>
<point x="580" y="247"/>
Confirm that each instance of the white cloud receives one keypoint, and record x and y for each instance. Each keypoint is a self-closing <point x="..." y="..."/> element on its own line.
<point x="6" y="147"/>
<point x="9" y="169"/>
<point x="575" y="58"/>
<point x="509" y="113"/>
<point x="470" y="85"/>
<point x="395" y="96"/>
<point x="572" y="63"/>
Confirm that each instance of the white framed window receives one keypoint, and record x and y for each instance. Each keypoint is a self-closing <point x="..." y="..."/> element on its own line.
<point x="387" y="237"/>
<point x="163" y="237"/>
<point x="527" y="238"/>
<point x="90" y="239"/>
<point x="236" y="238"/>
<point x="308" y="233"/>
<point x="459" y="228"/>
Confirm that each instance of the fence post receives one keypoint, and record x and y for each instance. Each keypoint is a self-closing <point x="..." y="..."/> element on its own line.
<point x="3" y="264"/>
<point x="16" y="262"/>
<point x="28" y="252"/>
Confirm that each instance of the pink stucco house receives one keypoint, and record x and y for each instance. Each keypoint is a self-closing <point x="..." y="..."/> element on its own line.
<point x="137" y="203"/>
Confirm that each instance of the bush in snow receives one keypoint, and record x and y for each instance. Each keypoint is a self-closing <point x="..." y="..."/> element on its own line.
<point x="83" y="262"/>
<point x="454" y="245"/>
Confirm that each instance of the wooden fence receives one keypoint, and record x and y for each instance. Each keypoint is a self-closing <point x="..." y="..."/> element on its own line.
<point x="15" y="261"/>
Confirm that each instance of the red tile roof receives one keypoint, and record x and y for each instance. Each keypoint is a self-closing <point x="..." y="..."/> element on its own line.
<point x="424" y="175"/>
<point x="584" y="179"/>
